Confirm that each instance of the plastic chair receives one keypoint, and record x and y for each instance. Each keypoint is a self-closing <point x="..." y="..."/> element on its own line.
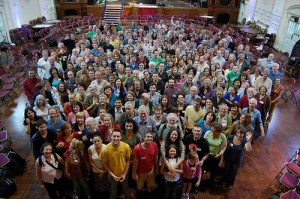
<point x="289" y="180"/>
<point x="293" y="168"/>
<point x="291" y="194"/>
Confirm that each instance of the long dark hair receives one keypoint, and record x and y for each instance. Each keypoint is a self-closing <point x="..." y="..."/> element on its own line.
<point x="177" y="143"/>
<point x="36" y="118"/>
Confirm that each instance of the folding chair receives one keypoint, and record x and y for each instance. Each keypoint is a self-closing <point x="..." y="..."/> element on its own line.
<point x="289" y="181"/>
<point x="291" y="194"/>
<point x="5" y="140"/>
<point x="293" y="168"/>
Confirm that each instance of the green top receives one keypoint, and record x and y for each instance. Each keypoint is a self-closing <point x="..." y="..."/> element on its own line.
<point x="231" y="76"/>
<point x="216" y="145"/>
<point x="118" y="28"/>
<point x="157" y="61"/>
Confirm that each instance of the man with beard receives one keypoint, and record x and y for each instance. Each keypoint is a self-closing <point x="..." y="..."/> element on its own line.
<point x="163" y="130"/>
<point x="145" y="164"/>
<point x="116" y="160"/>
<point x="42" y="136"/>
<point x="88" y="134"/>
<point x="68" y="105"/>
<point x="244" y="101"/>
<point x="171" y="92"/>
<point x="129" y="113"/>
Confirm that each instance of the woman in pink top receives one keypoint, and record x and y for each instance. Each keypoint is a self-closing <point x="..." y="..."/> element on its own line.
<point x="77" y="107"/>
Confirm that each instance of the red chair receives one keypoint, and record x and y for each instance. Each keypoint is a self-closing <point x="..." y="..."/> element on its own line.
<point x="288" y="180"/>
<point x="291" y="194"/>
<point x="293" y="168"/>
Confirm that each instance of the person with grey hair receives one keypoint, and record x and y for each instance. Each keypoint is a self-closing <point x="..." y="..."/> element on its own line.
<point x="264" y="80"/>
<point x="268" y="62"/>
<point x="144" y="121"/>
<point x="274" y="73"/>
<point x="145" y="100"/>
<point x="130" y="112"/>
<point x="88" y="135"/>
<point x="41" y="107"/>
<point x="224" y="118"/>
<point x="163" y="130"/>
<point x="193" y="94"/>
<point x="255" y="118"/>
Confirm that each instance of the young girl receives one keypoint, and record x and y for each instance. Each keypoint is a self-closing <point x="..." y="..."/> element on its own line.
<point x="191" y="173"/>
<point x="172" y="177"/>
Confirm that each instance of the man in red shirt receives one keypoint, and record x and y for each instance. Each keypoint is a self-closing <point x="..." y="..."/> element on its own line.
<point x="29" y="85"/>
<point x="145" y="164"/>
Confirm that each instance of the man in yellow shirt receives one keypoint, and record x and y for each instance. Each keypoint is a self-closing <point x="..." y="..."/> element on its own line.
<point x="193" y="113"/>
<point x="116" y="160"/>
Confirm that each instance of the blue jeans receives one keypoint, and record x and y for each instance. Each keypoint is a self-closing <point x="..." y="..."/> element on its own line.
<point x="171" y="189"/>
<point x="114" y="185"/>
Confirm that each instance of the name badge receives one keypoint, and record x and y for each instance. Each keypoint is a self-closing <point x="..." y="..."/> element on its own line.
<point x="143" y="158"/>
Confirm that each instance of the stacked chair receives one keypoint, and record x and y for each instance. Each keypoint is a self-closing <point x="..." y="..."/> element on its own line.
<point x="289" y="179"/>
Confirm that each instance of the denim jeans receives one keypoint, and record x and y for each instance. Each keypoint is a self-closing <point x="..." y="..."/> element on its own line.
<point x="171" y="189"/>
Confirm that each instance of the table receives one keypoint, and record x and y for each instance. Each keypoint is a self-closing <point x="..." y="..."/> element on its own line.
<point x="51" y="21"/>
<point x="240" y="26"/>
<point x="40" y="26"/>
<point x="251" y="30"/>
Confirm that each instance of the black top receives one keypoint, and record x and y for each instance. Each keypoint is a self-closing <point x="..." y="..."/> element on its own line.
<point x="201" y="146"/>
<point x="37" y="141"/>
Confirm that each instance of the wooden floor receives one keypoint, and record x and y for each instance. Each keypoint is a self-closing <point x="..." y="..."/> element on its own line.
<point x="259" y="168"/>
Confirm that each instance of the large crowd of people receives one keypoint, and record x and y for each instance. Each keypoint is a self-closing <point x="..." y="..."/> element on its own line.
<point x="146" y="106"/>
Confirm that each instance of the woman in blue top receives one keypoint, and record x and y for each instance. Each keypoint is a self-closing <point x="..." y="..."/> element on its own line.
<point x="205" y="124"/>
<point x="232" y="97"/>
<point x="255" y="118"/>
<point x="232" y="156"/>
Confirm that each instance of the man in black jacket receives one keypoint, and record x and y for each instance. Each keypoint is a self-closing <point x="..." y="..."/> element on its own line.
<point x="42" y="136"/>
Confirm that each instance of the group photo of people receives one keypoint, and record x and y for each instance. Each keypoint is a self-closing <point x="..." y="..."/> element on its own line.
<point x="147" y="111"/>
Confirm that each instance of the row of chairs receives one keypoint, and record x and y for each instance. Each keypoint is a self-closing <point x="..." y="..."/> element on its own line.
<point x="10" y="82"/>
<point x="289" y="179"/>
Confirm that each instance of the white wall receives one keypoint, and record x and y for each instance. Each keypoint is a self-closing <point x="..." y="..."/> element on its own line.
<point x="284" y="20"/>
<point x="47" y="8"/>
<point x="273" y="13"/>
<point x="23" y="11"/>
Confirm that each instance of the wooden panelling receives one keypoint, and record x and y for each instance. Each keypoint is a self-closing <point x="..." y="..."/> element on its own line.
<point x="97" y="10"/>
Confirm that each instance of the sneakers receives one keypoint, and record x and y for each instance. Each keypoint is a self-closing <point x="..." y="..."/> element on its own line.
<point x="185" y="196"/>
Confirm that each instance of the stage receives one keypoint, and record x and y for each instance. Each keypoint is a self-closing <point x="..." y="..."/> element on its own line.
<point x="140" y="9"/>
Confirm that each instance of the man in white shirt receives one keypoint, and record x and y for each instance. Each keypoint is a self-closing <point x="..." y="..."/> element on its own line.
<point x="99" y="83"/>
<point x="46" y="65"/>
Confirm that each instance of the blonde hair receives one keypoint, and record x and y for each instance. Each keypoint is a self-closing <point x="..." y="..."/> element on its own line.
<point x="77" y="145"/>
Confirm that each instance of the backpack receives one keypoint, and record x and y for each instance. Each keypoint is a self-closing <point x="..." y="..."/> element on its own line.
<point x="17" y="164"/>
<point x="7" y="188"/>
<point x="60" y="166"/>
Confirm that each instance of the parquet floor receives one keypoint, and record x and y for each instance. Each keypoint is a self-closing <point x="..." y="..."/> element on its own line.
<point x="259" y="168"/>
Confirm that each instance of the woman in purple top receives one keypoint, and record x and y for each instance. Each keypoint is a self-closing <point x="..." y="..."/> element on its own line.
<point x="205" y="90"/>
